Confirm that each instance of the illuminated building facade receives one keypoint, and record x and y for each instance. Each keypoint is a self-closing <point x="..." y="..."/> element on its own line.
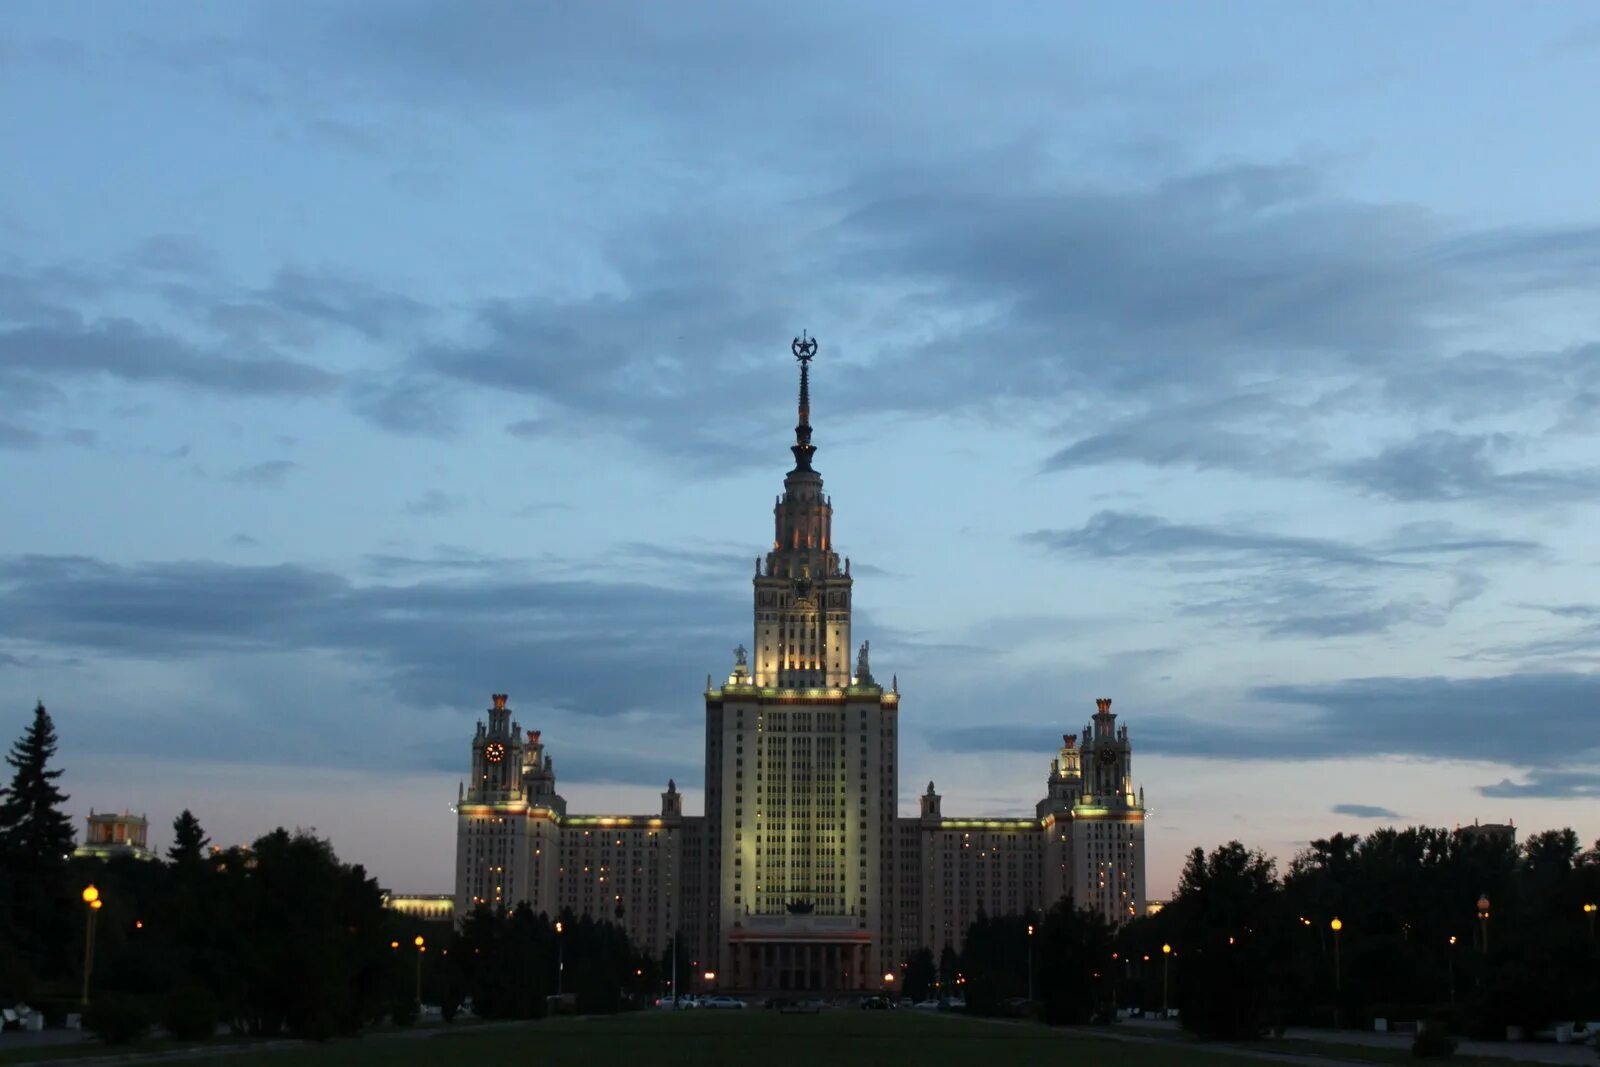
<point x="110" y="835"/>
<point x="801" y="874"/>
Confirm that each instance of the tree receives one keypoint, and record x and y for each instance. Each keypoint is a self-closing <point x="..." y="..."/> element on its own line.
<point x="1073" y="958"/>
<point x="920" y="974"/>
<point x="188" y="840"/>
<point x="1229" y="909"/>
<point x="35" y="834"/>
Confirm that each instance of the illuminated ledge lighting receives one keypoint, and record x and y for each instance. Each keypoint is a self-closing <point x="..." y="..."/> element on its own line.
<point x="990" y="824"/>
<point x="1130" y="815"/>
<point x="624" y="821"/>
<point x="513" y="808"/>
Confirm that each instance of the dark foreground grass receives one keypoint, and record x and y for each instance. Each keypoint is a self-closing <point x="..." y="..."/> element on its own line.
<point x="751" y="1038"/>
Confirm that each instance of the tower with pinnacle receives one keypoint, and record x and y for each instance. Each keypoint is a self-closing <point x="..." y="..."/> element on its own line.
<point x="800" y="875"/>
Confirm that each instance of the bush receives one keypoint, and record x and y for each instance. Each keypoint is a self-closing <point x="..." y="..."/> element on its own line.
<point x="190" y="1014"/>
<point x="1433" y="1040"/>
<point x="117" y="1019"/>
<point x="403" y="1011"/>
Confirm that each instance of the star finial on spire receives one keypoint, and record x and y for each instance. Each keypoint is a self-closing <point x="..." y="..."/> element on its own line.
<point x="805" y="350"/>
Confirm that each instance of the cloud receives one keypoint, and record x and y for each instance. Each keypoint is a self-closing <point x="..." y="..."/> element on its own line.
<point x="434" y="502"/>
<point x="1548" y="784"/>
<point x="268" y="474"/>
<point x="17" y="437"/>
<point x="1112" y="534"/>
<point x="125" y="350"/>
<point x="1249" y="432"/>
<point x="1525" y="720"/>
<point x="589" y="648"/>
<point x="1443" y="465"/>
<point x="1292" y="586"/>
<point x="999" y="737"/>
<point x="175" y="253"/>
<point x="1365" y="811"/>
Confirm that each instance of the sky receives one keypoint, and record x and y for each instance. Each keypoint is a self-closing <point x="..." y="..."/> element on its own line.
<point x="1239" y="362"/>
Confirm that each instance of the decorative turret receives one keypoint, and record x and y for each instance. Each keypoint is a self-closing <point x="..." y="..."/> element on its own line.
<point x="671" y="801"/>
<point x="930" y="805"/>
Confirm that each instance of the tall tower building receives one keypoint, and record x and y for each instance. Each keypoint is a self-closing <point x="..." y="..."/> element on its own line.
<point x="800" y="875"/>
<point x="801" y="782"/>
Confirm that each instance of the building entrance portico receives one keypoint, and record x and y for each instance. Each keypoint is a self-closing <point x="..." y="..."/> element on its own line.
<point x="800" y="954"/>
<point x="800" y="962"/>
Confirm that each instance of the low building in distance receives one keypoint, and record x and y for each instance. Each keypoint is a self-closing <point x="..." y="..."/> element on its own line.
<point x="110" y="835"/>
<point x="429" y="907"/>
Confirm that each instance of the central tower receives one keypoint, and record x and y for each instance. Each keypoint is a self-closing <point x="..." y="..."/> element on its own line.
<point x="801" y="767"/>
<point x="802" y="593"/>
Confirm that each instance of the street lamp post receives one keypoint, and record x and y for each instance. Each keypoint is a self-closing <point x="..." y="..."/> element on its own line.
<point x="1483" y="920"/>
<point x="1338" y="984"/>
<point x="1589" y="910"/>
<point x="1030" y="963"/>
<point x="92" y="903"/>
<point x="561" y="960"/>
<point x="422" y="946"/>
<point x="1451" y="964"/>
<point x="1166" y="954"/>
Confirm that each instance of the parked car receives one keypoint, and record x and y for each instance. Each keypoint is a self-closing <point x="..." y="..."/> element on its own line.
<point x="721" y="1002"/>
<point x="952" y="1004"/>
<point x="926" y="1005"/>
<point x="875" y="1004"/>
<point x="684" y="1002"/>
<point x="1015" y="1008"/>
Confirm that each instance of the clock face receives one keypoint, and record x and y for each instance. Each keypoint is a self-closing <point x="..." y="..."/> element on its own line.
<point x="1108" y="756"/>
<point x="495" y="752"/>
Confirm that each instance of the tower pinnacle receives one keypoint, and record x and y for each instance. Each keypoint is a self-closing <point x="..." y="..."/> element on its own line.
<point x="804" y="349"/>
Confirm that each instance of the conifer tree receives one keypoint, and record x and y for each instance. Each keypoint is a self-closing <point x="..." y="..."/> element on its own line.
<point x="35" y="834"/>
<point x="188" y="839"/>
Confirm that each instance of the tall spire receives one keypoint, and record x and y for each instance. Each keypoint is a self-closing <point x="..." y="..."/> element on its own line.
<point x="804" y="349"/>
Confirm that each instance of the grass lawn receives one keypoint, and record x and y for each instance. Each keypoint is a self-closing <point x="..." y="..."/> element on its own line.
<point x="751" y="1038"/>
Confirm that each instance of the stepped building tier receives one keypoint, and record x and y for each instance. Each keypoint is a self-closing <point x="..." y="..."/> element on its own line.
<point x="800" y="875"/>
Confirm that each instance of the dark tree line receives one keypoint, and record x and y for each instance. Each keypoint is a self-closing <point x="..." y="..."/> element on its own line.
<point x="278" y="937"/>
<point x="1252" y="951"/>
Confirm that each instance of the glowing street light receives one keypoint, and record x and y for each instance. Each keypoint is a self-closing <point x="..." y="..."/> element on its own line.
<point x="561" y="958"/>
<point x="1483" y="920"/>
<point x="1589" y="910"/>
<point x="1030" y="963"/>
<point x="422" y="946"/>
<point x="1166" y="955"/>
<point x="92" y="903"/>
<point x="1336" y="925"/>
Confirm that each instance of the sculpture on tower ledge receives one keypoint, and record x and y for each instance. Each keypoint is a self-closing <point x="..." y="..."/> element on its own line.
<point x="863" y="668"/>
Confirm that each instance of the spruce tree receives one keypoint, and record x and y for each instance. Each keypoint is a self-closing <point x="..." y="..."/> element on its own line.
<point x="35" y="834"/>
<point x="188" y="840"/>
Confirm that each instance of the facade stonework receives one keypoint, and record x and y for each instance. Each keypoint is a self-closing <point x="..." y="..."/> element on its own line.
<point x="801" y="874"/>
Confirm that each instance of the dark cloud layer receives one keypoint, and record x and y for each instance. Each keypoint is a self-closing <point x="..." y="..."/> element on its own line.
<point x="1527" y="720"/>
<point x="1556" y="785"/>
<point x="127" y="350"/>
<point x="589" y="647"/>
<point x="1293" y="586"/>
<point x="1365" y="811"/>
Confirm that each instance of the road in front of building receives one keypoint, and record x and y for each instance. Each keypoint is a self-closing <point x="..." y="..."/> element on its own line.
<point x="1524" y="1051"/>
